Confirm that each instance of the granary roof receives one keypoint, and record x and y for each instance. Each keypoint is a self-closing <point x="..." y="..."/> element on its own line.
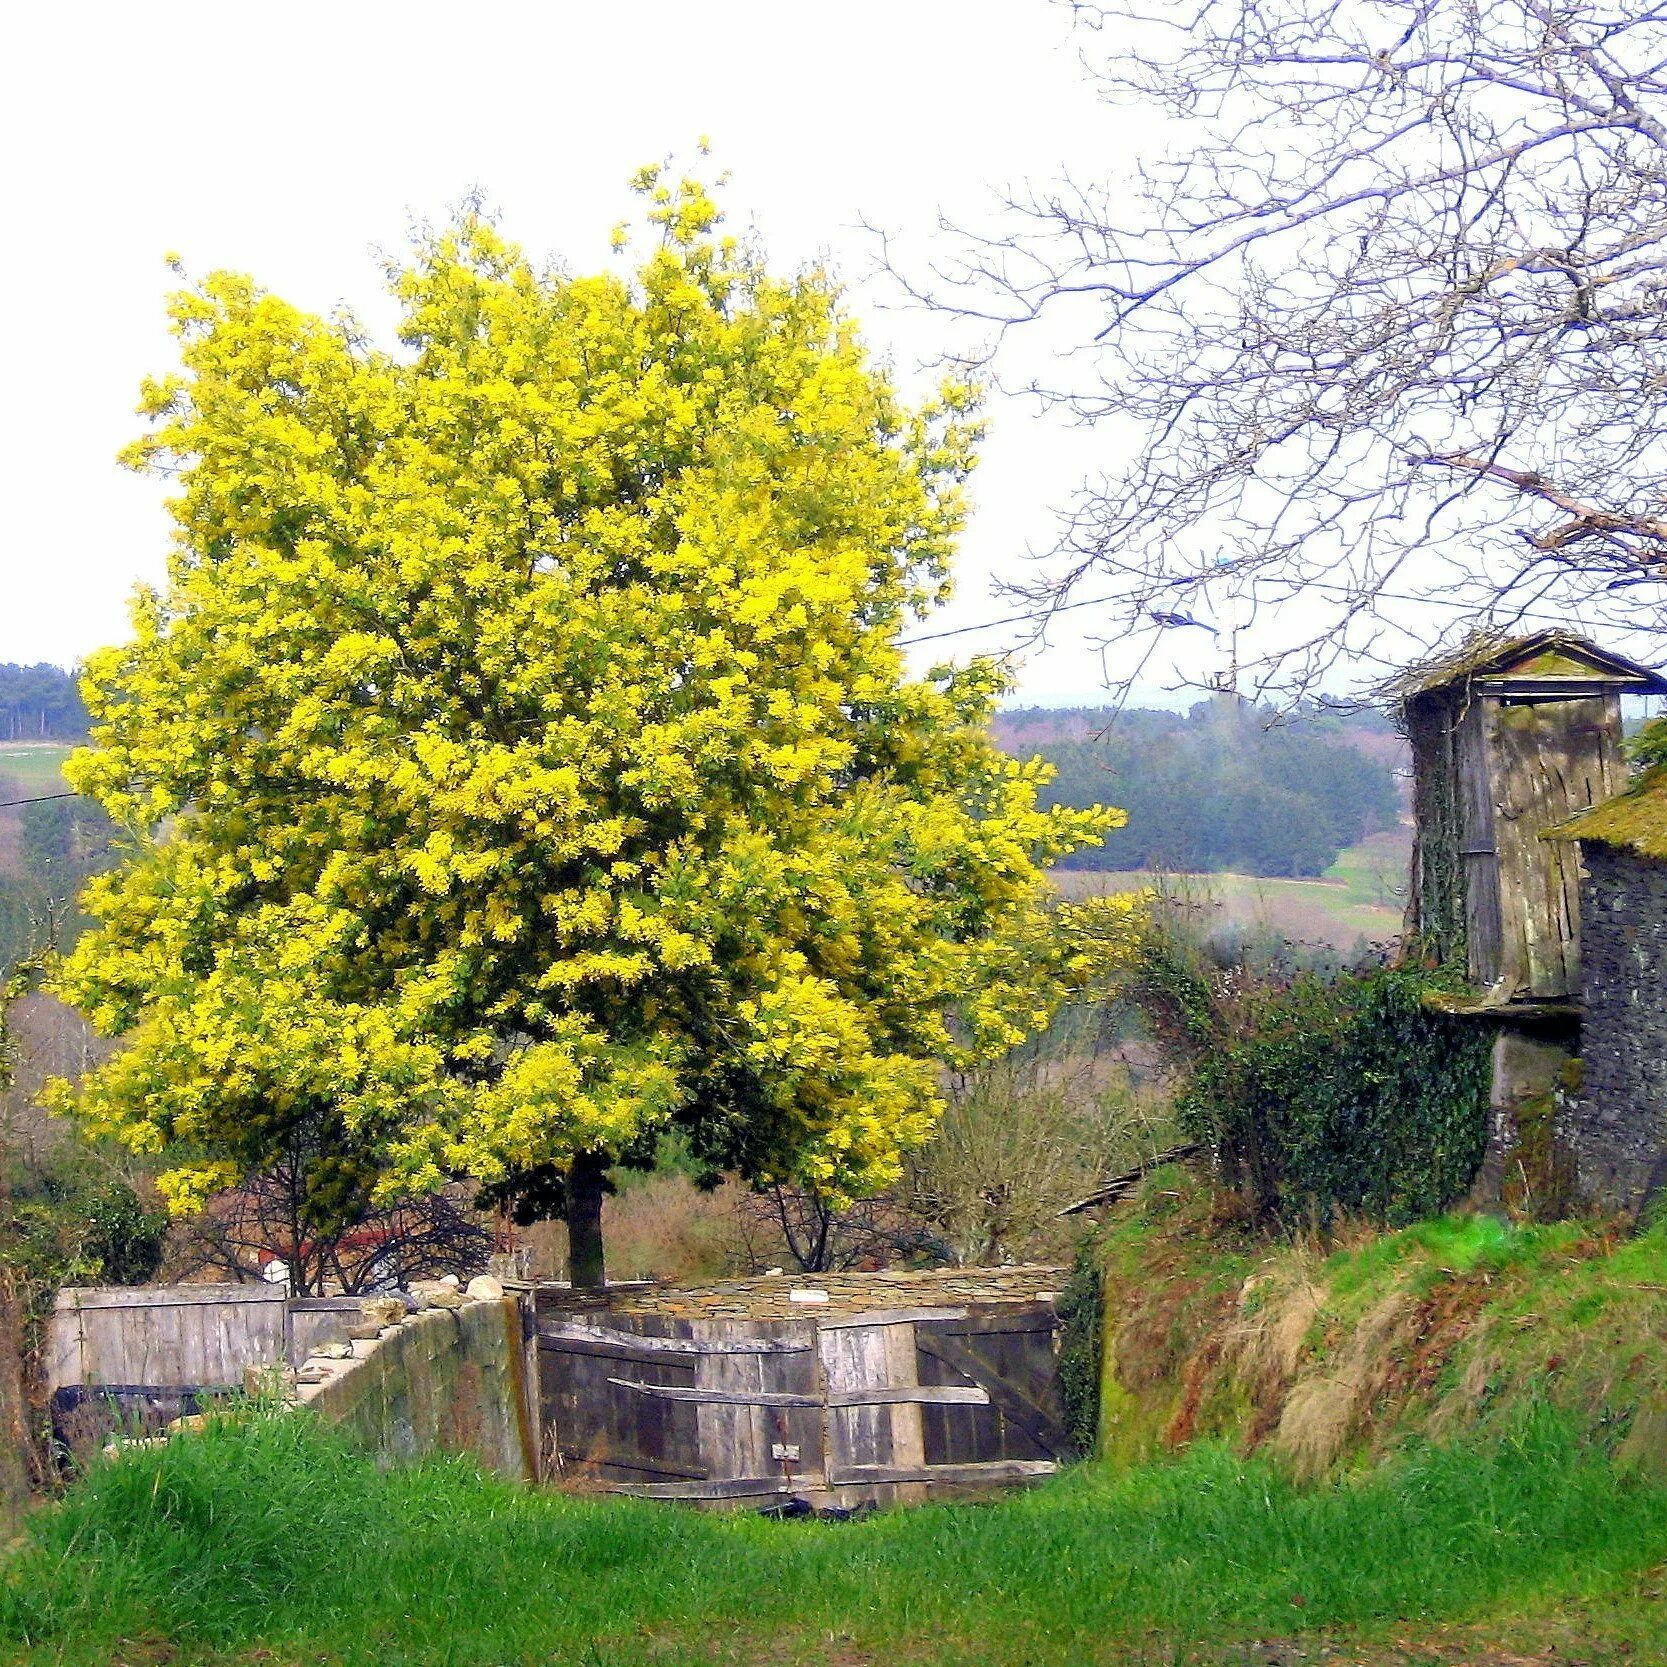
<point x="1635" y="820"/>
<point x="1545" y="659"/>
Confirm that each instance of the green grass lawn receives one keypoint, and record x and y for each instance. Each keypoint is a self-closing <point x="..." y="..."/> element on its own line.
<point x="270" y="1543"/>
<point x="1360" y="896"/>
<point x="35" y="766"/>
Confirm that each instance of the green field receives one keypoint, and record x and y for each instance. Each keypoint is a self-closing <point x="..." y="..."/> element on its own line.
<point x="1357" y="897"/>
<point x="268" y="1542"/>
<point x="33" y="766"/>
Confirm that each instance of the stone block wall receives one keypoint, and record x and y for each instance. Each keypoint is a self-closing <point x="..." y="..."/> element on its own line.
<point x="445" y="1380"/>
<point x="1618" y="1130"/>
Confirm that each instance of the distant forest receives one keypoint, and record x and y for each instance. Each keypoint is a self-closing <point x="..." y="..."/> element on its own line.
<point x="1225" y="786"/>
<point x="40" y="703"/>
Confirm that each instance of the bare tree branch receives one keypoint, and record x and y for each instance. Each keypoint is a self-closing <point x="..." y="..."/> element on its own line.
<point x="1387" y="325"/>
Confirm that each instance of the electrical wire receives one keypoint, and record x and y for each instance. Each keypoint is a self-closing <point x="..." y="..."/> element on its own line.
<point x="9" y="804"/>
<point x="1102" y="601"/>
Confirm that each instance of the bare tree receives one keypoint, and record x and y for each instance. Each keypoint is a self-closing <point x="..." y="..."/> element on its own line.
<point x="381" y="1248"/>
<point x="1031" y="1134"/>
<point x="821" y="1236"/>
<point x="1390" y="323"/>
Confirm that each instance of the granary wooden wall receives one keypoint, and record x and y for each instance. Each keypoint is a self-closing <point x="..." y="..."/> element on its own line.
<point x="1504" y="747"/>
<point x="184" y="1336"/>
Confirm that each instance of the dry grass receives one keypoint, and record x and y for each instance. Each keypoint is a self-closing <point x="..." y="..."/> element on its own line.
<point x="1326" y="1354"/>
<point x="661" y="1226"/>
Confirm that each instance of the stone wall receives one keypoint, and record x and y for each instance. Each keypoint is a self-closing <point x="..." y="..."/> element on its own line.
<point x="443" y="1380"/>
<point x="1619" y="1126"/>
<point x="799" y="1296"/>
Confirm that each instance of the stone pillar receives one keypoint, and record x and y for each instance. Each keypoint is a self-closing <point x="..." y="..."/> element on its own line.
<point x="1528" y="1168"/>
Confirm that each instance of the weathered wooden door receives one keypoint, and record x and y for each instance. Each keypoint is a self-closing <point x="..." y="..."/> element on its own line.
<point x="1551" y="758"/>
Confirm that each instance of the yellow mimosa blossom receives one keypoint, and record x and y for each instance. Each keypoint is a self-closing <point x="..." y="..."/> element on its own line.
<point x="520" y="755"/>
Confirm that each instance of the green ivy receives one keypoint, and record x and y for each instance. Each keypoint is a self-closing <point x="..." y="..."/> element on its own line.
<point x="1347" y="1094"/>
<point x="1081" y="1308"/>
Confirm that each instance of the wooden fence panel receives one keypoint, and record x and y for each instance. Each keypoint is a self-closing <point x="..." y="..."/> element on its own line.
<point x="199" y="1336"/>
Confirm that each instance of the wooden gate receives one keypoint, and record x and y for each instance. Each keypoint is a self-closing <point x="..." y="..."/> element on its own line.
<point x="881" y="1405"/>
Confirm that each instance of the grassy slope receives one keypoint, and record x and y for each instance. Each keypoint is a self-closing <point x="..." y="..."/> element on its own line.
<point x="1328" y="1357"/>
<point x="26" y="768"/>
<point x="1355" y="898"/>
<point x="34" y="765"/>
<point x="270" y="1544"/>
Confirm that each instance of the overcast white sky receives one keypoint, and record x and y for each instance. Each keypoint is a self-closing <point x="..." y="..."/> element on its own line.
<point x="294" y="141"/>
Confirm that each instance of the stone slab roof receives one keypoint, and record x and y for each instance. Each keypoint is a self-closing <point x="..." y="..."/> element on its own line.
<point x="771" y="1297"/>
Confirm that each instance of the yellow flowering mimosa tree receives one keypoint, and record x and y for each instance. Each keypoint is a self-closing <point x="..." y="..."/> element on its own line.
<point x="520" y="756"/>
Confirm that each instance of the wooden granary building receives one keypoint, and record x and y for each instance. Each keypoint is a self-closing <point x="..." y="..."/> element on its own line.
<point x="1510" y="737"/>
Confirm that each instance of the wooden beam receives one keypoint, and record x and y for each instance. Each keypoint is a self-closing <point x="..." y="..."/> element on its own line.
<point x="570" y="1331"/>
<point x="995" y="1470"/>
<point x="726" y="1487"/>
<point x="718" y="1397"/>
<point x="89" y="1297"/>
<point x="637" y="1461"/>
<point x="1020" y="1320"/>
<point x="923" y="1394"/>
<point x="888" y="1316"/>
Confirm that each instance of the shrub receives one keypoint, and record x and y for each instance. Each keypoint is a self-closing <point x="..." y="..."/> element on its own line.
<point x="1323" y="1093"/>
<point x="1081" y="1339"/>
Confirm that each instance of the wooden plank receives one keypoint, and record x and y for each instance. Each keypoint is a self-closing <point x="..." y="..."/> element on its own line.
<point x="760" y="1415"/>
<point x="677" y="1440"/>
<point x="1025" y="1363"/>
<point x="1024" y="1320"/>
<point x="61" y="1362"/>
<point x="1475" y="813"/>
<point x="1033" y="1419"/>
<point x="921" y="1394"/>
<point x="887" y="1317"/>
<point x="866" y="1432"/>
<point x="718" y="1487"/>
<point x="168" y="1296"/>
<point x="719" y="1397"/>
<point x="612" y="1351"/>
<point x="600" y="1337"/>
<point x="999" y="1470"/>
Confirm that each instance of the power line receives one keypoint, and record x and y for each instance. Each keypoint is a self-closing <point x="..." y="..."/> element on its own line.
<point x="1008" y="619"/>
<point x="44" y="798"/>
<point x="1312" y="584"/>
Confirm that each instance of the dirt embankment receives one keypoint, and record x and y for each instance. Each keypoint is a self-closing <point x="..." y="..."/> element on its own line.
<point x="1329" y="1353"/>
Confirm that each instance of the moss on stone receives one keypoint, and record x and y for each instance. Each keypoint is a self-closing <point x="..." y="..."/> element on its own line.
<point x="1635" y="820"/>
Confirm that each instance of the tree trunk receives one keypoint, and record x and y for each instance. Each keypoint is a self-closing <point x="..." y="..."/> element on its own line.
<point x="586" y="1183"/>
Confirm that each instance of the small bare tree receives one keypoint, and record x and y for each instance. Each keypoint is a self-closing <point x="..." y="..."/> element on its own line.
<point x="382" y="1248"/>
<point x="1388" y="323"/>
<point x="821" y="1236"/>
<point x="1023" y="1138"/>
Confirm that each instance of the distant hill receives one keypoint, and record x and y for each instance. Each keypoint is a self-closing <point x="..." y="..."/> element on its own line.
<point x="1027" y="729"/>
<point x="1225" y="787"/>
